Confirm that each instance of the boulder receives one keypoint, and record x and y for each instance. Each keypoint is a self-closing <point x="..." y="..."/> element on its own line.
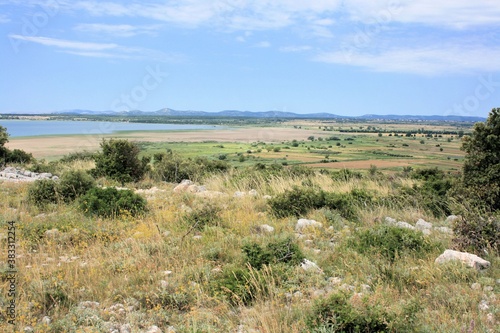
<point x="265" y="228"/>
<point x="452" y="218"/>
<point x="308" y="265"/>
<point x="239" y="194"/>
<point x="253" y="193"/>
<point x="304" y="223"/>
<point x="45" y="175"/>
<point x="183" y="186"/>
<point x="404" y="225"/>
<point x="390" y="220"/>
<point x="469" y="259"/>
<point x="423" y="225"/>
<point x="154" y="329"/>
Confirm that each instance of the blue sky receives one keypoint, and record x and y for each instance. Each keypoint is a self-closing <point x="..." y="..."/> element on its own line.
<point x="344" y="57"/>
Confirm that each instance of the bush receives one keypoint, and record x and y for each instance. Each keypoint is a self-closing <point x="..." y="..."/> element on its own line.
<point x="19" y="156"/>
<point x="78" y="156"/>
<point x="74" y="184"/>
<point x="391" y="242"/>
<point x="43" y="192"/>
<point x="296" y="202"/>
<point x="336" y="314"/>
<point x="477" y="233"/>
<point x="119" y="161"/>
<point x="208" y="215"/>
<point x="173" y="168"/>
<point x="284" y="250"/>
<point x="234" y="284"/>
<point x="111" y="202"/>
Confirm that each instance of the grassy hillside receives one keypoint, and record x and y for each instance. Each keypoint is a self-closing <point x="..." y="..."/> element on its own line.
<point x="197" y="262"/>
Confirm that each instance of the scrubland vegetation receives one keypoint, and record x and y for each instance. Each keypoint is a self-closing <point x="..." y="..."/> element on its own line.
<point x="231" y="257"/>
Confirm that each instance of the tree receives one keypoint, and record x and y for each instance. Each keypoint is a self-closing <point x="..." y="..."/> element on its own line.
<point x="119" y="161"/>
<point x="4" y="136"/>
<point x="481" y="170"/>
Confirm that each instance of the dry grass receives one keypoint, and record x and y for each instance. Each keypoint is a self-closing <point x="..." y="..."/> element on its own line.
<point x="165" y="273"/>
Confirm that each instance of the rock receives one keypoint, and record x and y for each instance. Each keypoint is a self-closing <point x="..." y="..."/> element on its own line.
<point x="253" y="193"/>
<point x="335" y="280"/>
<point x="304" y="223"/>
<point x="163" y="284"/>
<point x="183" y="186"/>
<point x="318" y="293"/>
<point x="488" y="288"/>
<point x="390" y="220"/>
<point x="452" y="218"/>
<point x="423" y="225"/>
<point x="404" y="225"/>
<point x="265" y="228"/>
<point x="154" y="329"/>
<point x="267" y="197"/>
<point x="476" y="286"/>
<point x="55" y="178"/>
<point x="308" y="265"/>
<point x="45" y="175"/>
<point x="238" y="194"/>
<point x="46" y="320"/>
<point x="444" y="230"/>
<point x="426" y="232"/>
<point x="89" y="305"/>
<point x="490" y="318"/>
<point x="171" y="329"/>
<point x="197" y="237"/>
<point x="28" y="329"/>
<point x="27" y="173"/>
<point x="483" y="305"/>
<point x="125" y="328"/>
<point x="195" y="188"/>
<point x="469" y="259"/>
<point x="365" y="288"/>
<point x="52" y="233"/>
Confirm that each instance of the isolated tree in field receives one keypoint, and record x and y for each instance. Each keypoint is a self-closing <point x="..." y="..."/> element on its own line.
<point x="119" y="161"/>
<point x="481" y="170"/>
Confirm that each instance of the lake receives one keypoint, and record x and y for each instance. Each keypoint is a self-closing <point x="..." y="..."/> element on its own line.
<point x="20" y="128"/>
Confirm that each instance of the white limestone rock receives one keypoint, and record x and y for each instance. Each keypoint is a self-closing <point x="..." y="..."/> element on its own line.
<point x="469" y="259"/>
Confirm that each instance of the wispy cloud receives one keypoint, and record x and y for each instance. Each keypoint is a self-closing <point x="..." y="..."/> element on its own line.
<point x="118" y="30"/>
<point x="425" y="60"/>
<point x="100" y="50"/>
<point x="299" y="48"/>
<point x="263" y="44"/>
<point x="66" y="44"/>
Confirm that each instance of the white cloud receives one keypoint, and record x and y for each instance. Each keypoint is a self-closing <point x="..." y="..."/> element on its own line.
<point x="299" y="48"/>
<point x="100" y="50"/>
<point x="425" y="60"/>
<point x="118" y="30"/>
<point x="455" y="14"/>
<point x="263" y="44"/>
<point x="66" y="44"/>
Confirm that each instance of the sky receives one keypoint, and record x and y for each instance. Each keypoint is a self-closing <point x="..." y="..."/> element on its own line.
<point x="417" y="57"/>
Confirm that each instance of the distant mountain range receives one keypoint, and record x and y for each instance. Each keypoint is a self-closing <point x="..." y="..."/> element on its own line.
<point x="269" y="114"/>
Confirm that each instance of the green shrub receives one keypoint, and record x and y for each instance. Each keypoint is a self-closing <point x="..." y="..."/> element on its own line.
<point x="74" y="184"/>
<point x="208" y="215"/>
<point x="296" y="202"/>
<point x="343" y="203"/>
<point x="111" y="202"/>
<point x="284" y="250"/>
<point x="336" y="314"/>
<point x="477" y="233"/>
<point x="19" y="156"/>
<point x="234" y="285"/>
<point x="119" y="161"/>
<point x="43" y="192"/>
<point x="391" y="242"/>
<point x="78" y="156"/>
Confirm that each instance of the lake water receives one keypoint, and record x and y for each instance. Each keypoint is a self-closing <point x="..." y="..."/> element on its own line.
<point x="18" y="128"/>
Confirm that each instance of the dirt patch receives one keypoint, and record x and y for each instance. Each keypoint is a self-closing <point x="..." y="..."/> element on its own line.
<point x="53" y="146"/>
